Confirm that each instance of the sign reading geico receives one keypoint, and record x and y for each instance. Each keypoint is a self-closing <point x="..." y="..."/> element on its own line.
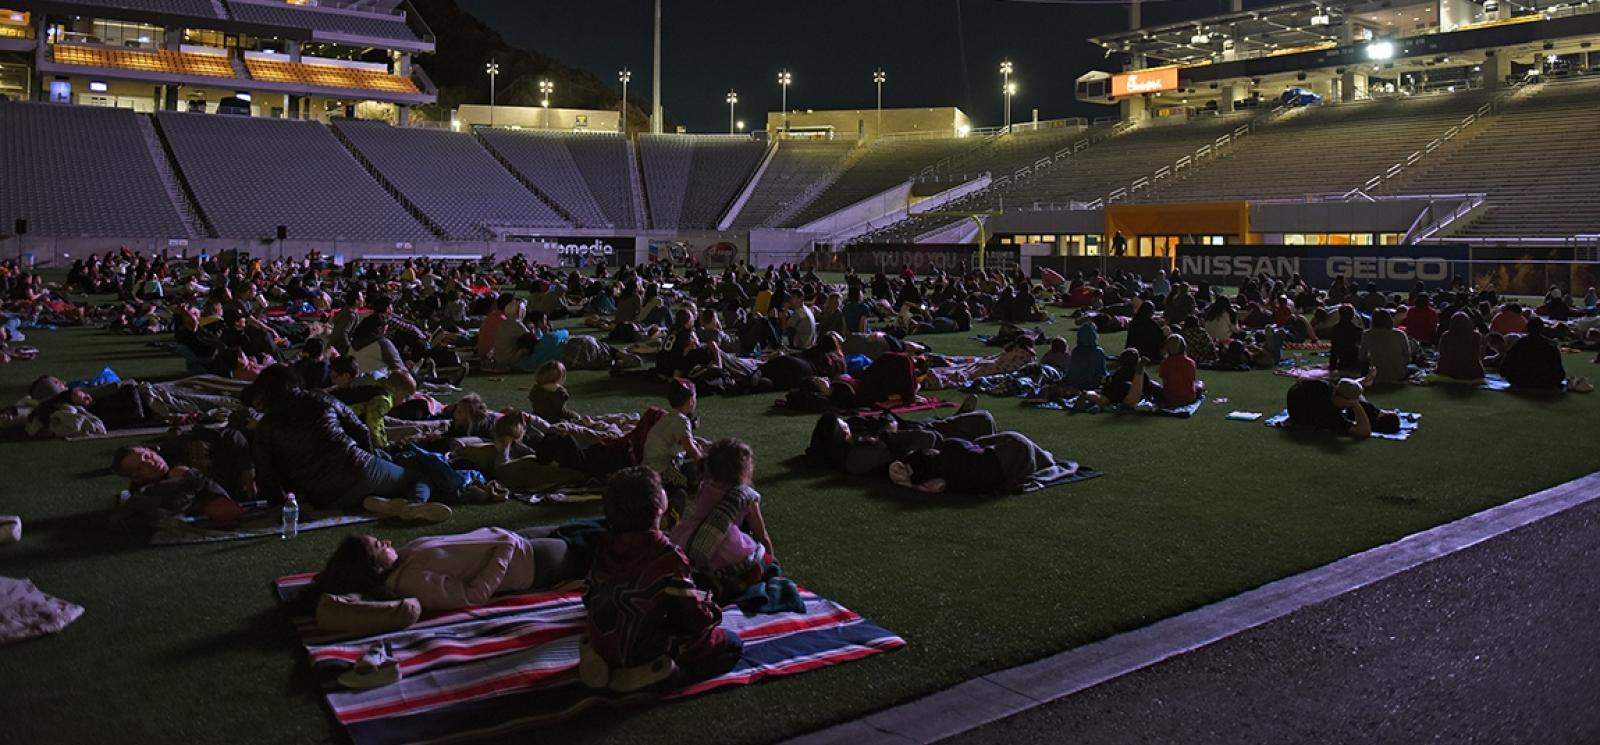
<point x="1389" y="267"/>
<point x="1144" y="81"/>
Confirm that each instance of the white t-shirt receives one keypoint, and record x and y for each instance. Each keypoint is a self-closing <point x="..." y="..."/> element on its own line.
<point x="667" y="440"/>
<point x="804" y="324"/>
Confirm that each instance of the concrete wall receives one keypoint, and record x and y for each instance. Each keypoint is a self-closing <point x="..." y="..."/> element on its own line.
<point x="848" y="123"/>
<point x="538" y="117"/>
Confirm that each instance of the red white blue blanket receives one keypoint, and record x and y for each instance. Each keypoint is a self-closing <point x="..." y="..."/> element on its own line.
<point x="512" y="664"/>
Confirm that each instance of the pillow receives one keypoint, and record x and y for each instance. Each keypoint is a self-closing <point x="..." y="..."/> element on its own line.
<point x="353" y="614"/>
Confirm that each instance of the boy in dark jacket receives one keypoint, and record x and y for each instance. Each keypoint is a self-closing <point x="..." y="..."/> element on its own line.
<point x="647" y="624"/>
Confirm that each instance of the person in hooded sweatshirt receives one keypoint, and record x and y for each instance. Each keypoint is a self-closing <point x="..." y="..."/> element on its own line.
<point x="1087" y="370"/>
<point x="1461" y="350"/>
<point x="1534" y="361"/>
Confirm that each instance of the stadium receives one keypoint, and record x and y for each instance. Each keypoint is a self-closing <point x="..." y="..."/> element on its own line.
<point x="207" y="204"/>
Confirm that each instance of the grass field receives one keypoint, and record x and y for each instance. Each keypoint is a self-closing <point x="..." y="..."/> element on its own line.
<point x="186" y="644"/>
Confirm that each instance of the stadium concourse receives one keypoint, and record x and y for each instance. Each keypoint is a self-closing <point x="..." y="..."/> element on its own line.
<point x="339" y="416"/>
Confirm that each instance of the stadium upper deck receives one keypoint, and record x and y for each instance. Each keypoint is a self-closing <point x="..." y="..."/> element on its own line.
<point x="270" y="57"/>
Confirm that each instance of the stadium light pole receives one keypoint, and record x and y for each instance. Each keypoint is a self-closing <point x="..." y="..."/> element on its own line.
<point x="1005" y="87"/>
<point x="878" y="77"/>
<point x="784" y="79"/>
<point x="733" y="100"/>
<point x="624" y="75"/>
<point x="655" y="74"/>
<point x="493" y="68"/>
<point x="546" y="88"/>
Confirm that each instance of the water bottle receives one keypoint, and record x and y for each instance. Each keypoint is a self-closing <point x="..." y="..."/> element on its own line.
<point x="291" y="518"/>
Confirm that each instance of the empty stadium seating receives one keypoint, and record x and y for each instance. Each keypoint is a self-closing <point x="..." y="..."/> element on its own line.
<point x="196" y="64"/>
<point x="692" y="179"/>
<point x="884" y="164"/>
<point x="352" y="24"/>
<point x="449" y="177"/>
<point x="1533" y="159"/>
<point x="80" y="171"/>
<point x="327" y="76"/>
<point x="602" y="160"/>
<point x="1323" y="149"/>
<point x="795" y="166"/>
<point x="250" y="175"/>
<point x="542" y="160"/>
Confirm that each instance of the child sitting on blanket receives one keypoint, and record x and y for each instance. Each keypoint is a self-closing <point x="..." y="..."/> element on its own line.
<point x="647" y="623"/>
<point x="447" y="572"/>
<point x="1130" y="385"/>
<point x="723" y="531"/>
<point x="1058" y="357"/>
<point x="548" y="397"/>
<point x="1180" y="385"/>
<point x="670" y="442"/>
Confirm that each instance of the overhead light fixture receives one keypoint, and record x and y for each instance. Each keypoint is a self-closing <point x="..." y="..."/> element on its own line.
<point x="1380" y="50"/>
<point x="1200" y="38"/>
<point x="1321" y="19"/>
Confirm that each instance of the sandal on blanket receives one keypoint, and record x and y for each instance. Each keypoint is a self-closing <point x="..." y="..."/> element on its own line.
<point x="375" y="669"/>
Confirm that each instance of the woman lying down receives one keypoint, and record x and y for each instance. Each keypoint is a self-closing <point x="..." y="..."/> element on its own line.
<point x="997" y="463"/>
<point x="448" y="572"/>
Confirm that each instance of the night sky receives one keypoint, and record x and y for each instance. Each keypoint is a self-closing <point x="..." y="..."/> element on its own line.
<point x="831" y="47"/>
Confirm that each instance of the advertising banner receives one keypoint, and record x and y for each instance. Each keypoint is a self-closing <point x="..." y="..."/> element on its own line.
<point x="1144" y="81"/>
<point x="922" y="257"/>
<point x="712" y="250"/>
<point x="1388" y="267"/>
<point x="585" y="251"/>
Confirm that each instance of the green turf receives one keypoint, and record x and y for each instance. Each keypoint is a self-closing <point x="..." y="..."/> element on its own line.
<point x="186" y="644"/>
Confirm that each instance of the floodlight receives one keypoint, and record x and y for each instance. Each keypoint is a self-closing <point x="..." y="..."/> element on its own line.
<point x="1380" y="50"/>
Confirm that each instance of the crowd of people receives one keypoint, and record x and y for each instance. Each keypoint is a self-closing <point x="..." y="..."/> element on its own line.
<point x="344" y="374"/>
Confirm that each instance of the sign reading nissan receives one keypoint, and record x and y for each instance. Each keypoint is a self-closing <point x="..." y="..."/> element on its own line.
<point x="1388" y="267"/>
<point x="1140" y="82"/>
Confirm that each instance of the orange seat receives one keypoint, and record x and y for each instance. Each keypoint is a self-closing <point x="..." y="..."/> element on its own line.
<point x="198" y="64"/>
<point x="328" y="76"/>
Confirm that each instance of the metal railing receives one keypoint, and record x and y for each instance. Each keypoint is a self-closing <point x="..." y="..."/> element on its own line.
<point x="1394" y="172"/>
<point x="1186" y="163"/>
<point x="1463" y="208"/>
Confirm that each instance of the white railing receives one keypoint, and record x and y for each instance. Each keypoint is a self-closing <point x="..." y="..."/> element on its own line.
<point x="1393" y="173"/>
<point x="1463" y="208"/>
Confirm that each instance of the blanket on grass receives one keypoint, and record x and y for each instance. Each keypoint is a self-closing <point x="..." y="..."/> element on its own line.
<point x="1070" y="406"/>
<point x="1408" y="425"/>
<point x="1490" y="382"/>
<point x="587" y="491"/>
<point x="1066" y="472"/>
<point x="27" y="613"/>
<point x="257" y="524"/>
<point x="511" y="665"/>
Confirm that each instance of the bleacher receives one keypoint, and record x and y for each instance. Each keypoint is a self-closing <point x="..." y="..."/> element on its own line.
<point x="378" y="26"/>
<point x="192" y="8"/>
<point x="1535" y="159"/>
<point x="327" y="75"/>
<point x="795" y="166"/>
<point x="886" y="163"/>
<point x="543" y="160"/>
<point x="80" y="171"/>
<point x="602" y="160"/>
<point x="691" y="180"/>
<point x="194" y="64"/>
<point x="449" y="177"/>
<point x="250" y="175"/>
<point x="1324" y="149"/>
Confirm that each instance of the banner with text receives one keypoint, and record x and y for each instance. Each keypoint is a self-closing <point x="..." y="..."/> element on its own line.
<point x="923" y="257"/>
<point x="1388" y="267"/>
<point x="585" y="251"/>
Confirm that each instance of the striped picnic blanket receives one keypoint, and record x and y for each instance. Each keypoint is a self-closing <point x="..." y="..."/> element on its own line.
<point x="511" y="665"/>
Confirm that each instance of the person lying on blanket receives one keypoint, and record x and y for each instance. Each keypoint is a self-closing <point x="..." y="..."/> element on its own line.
<point x="723" y="532"/>
<point x="123" y="404"/>
<point x="863" y="446"/>
<point x="995" y="463"/>
<point x="647" y="623"/>
<point x="449" y="572"/>
<point x="222" y="456"/>
<point x="1339" y="407"/>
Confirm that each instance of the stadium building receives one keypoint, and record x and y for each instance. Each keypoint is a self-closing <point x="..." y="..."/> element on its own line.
<point x="1387" y="127"/>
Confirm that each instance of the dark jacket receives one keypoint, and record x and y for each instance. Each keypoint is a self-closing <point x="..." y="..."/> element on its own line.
<point x="313" y="445"/>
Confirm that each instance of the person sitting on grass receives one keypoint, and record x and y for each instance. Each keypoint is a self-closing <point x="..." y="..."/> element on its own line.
<point x="647" y="624"/>
<point x="374" y="401"/>
<point x="1534" y="361"/>
<point x="671" y="446"/>
<point x="449" y="572"/>
<point x="1130" y="386"/>
<point x="723" y="532"/>
<point x="1387" y="349"/>
<point x="1344" y="339"/>
<point x="548" y="397"/>
<point x="1339" y="407"/>
<point x="1087" y="370"/>
<point x="1145" y="332"/>
<point x="309" y="443"/>
<point x="1058" y="357"/>
<point x="1180" y="384"/>
<point x="1461" y="350"/>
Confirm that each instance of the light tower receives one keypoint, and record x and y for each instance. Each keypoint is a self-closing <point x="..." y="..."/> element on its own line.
<point x="1007" y="88"/>
<point x="493" y="68"/>
<point x="784" y="79"/>
<point x="878" y="77"/>
<point x="624" y="75"/>
<point x="546" y="88"/>
<point x="733" y="100"/>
